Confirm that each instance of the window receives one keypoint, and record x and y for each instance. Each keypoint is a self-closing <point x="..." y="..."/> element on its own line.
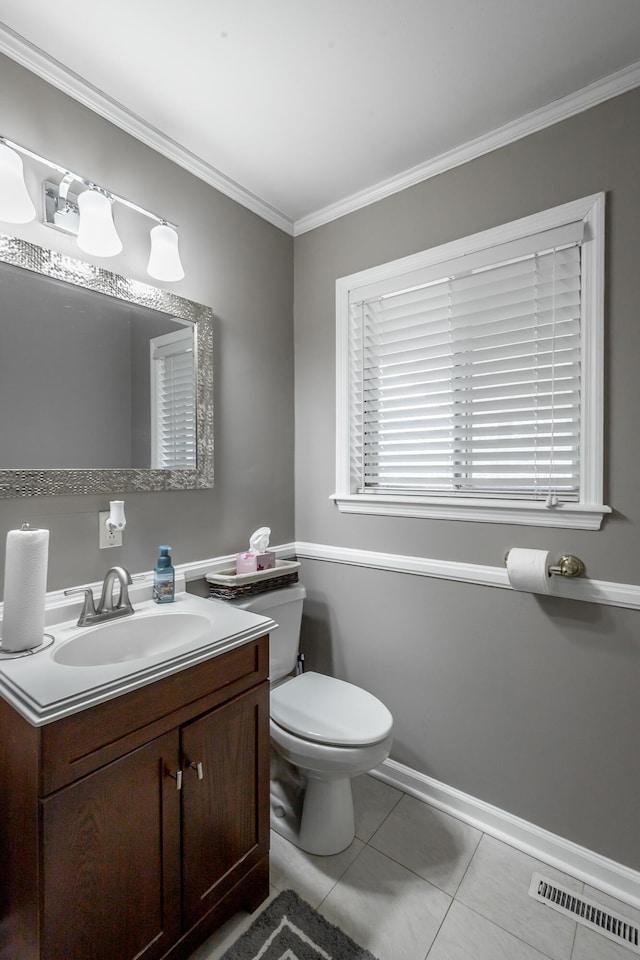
<point x="173" y="400"/>
<point x="470" y="377"/>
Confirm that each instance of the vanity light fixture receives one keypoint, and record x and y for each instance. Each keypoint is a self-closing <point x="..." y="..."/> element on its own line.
<point x="15" y="203"/>
<point x="97" y="232"/>
<point x="164" y="259"/>
<point x="86" y="213"/>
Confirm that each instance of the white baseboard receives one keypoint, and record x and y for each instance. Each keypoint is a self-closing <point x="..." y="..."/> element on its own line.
<point x="598" y="871"/>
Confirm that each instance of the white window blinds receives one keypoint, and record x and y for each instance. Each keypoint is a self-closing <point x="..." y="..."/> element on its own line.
<point x="467" y="383"/>
<point x="174" y="401"/>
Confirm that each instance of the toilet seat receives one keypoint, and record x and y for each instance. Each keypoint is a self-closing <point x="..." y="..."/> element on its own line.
<point x="326" y="710"/>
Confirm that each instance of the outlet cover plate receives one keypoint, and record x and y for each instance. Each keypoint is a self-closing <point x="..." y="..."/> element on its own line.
<point x="108" y="538"/>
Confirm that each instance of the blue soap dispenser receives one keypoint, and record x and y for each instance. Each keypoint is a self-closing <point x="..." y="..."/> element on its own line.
<point x="164" y="578"/>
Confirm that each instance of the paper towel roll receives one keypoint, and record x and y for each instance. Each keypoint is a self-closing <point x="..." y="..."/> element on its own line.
<point x="529" y="570"/>
<point x="25" y="589"/>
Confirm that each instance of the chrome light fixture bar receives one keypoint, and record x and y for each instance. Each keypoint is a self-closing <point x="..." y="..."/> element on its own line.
<point x="86" y="212"/>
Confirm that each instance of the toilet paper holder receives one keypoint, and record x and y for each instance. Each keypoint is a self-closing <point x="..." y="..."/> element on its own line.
<point x="567" y="566"/>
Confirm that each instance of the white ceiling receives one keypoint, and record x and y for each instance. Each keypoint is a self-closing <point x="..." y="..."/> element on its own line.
<point x="302" y="109"/>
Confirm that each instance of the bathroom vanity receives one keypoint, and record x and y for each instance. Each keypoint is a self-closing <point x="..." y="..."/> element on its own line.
<point x="133" y="827"/>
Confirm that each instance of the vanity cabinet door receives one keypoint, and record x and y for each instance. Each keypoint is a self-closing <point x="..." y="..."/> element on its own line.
<point x="225" y="813"/>
<point x="111" y="856"/>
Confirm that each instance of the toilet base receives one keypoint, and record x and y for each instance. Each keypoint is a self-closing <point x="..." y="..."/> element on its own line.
<point x="317" y="818"/>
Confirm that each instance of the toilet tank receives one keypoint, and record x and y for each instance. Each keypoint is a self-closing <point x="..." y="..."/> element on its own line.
<point x="285" y="607"/>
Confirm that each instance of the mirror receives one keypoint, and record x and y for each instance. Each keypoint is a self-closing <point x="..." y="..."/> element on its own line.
<point x="106" y="383"/>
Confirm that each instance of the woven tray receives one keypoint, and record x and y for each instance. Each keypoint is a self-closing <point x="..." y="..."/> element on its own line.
<point x="229" y="585"/>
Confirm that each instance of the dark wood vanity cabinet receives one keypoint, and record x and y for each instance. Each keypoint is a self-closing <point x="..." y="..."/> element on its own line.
<point x="109" y="887"/>
<point x="136" y="827"/>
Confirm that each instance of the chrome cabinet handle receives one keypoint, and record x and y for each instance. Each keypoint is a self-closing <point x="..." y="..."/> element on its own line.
<point x="197" y="766"/>
<point x="177" y="776"/>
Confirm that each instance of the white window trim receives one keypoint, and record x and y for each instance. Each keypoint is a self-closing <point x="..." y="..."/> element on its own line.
<point x="586" y="514"/>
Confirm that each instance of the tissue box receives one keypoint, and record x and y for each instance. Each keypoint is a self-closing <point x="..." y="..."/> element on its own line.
<point x="266" y="561"/>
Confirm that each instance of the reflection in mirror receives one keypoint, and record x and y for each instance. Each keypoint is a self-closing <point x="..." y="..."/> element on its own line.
<point x="105" y="383"/>
<point x="171" y="393"/>
<point x="82" y="374"/>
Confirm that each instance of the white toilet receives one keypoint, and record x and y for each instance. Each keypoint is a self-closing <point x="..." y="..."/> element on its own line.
<point x="323" y="732"/>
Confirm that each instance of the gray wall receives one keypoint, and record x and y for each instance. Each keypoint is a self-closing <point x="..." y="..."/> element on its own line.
<point x="528" y="703"/>
<point x="237" y="264"/>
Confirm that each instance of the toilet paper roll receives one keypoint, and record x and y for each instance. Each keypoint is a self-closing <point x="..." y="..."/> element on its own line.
<point x="529" y="570"/>
<point x="25" y="589"/>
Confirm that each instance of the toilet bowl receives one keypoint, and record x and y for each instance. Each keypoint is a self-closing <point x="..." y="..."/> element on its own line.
<point x="329" y="731"/>
<point x="324" y="732"/>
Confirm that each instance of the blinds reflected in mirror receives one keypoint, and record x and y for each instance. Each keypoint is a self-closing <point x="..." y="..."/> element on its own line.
<point x="173" y="400"/>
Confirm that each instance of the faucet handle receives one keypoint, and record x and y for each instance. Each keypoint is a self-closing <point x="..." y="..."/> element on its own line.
<point x="88" y="608"/>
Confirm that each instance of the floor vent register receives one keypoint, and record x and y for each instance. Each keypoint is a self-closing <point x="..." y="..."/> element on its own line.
<point x="613" y="925"/>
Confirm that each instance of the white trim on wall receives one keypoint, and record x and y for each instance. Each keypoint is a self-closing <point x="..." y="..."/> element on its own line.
<point x="58" y="75"/>
<point x="593" y="591"/>
<point x="569" y="515"/>
<point x="606" y="592"/>
<point x="620" y="82"/>
<point x="607" y="875"/>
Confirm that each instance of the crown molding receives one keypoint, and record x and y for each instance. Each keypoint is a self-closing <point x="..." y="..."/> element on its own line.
<point x="37" y="61"/>
<point x="612" y="86"/>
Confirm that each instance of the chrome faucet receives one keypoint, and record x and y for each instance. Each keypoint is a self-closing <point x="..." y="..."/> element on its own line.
<point x="106" y="610"/>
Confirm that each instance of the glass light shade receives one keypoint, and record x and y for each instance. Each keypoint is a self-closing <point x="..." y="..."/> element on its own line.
<point x="164" y="258"/>
<point x="97" y="233"/>
<point x="16" y="205"/>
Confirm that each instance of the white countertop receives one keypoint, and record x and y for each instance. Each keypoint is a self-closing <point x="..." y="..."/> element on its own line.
<point x="42" y="689"/>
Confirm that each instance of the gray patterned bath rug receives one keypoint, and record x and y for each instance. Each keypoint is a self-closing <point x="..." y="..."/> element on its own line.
<point x="289" y="929"/>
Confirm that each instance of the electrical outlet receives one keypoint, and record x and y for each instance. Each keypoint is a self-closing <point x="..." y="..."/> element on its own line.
<point x="108" y="538"/>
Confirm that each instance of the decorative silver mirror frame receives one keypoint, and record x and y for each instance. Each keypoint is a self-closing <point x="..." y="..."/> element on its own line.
<point x="27" y="483"/>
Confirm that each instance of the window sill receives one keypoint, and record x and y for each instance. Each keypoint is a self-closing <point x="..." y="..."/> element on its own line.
<point x="577" y="516"/>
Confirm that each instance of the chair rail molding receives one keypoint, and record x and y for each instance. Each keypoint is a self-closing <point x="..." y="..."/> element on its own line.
<point x="606" y="592"/>
<point x="593" y="591"/>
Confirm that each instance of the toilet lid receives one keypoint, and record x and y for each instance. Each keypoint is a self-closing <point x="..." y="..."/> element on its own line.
<point x="327" y="710"/>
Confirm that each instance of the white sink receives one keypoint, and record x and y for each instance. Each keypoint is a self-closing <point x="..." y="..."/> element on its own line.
<point x="131" y="638"/>
<point x="89" y="665"/>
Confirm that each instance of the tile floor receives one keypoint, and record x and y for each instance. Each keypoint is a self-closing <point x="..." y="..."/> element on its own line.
<point x="417" y="884"/>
